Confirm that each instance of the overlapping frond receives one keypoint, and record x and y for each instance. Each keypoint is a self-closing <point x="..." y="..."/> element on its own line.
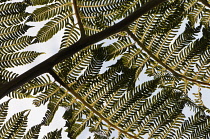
<point x="106" y="96"/>
<point x="53" y="135"/>
<point x="15" y="126"/>
<point x="12" y="19"/>
<point x="12" y="46"/>
<point x="16" y="59"/>
<point x="53" y="26"/>
<point x="13" y="32"/>
<point x="3" y="111"/>
<point x="12" y="8"/>
<point x="50" y="11"/>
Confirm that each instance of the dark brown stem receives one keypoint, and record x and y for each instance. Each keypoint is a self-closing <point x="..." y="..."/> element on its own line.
<point x="160" y="61"/>
<point x="205" y="2"/>
<point x="81" y="27"/>
<point x="46" y="65"/>
<point x="57" y="78"/>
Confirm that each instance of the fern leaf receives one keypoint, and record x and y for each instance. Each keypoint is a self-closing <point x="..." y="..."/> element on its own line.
<point x="49" y="11"/>
<point x="12" y="8"/>
<point x="13" y="32"/>
<point x="53" y="26"/>
<point x="33" y="132"/>
<point x="71" y="35"/>
<point x="6" y="75"/>
<point x="12" y="46"/>
<point x="34" y="87"/>
<point x="53" y="135"/>
<point x="3" y="111"/>
<point x="15" y="126"/>
<point x="13" y="19"/>
<point x="17" y="59"/>
<point x="38" y="2"/>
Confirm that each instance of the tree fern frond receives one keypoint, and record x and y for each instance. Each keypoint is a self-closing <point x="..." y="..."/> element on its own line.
<point x="191" y="125"/>
<point x="71" y="35"/>
<point x="15" y="126"/>
<point x="6" y="75"/>
<point x="118" y="48"/>
<point x="53" y="134"/>
<point x="14" y="45"/>
<point x="47" y="95"/>
<point x="12" y="8"/>
<point x="205" y="18"/>
<point x="13" y="19"/>
<point x="32" y="88"/>
<point x="17" y="59"/>
<point x="73" y="66"/>
<point x="53" y="105"/>
<point x="3" y="111"/>
<point x="33" y="132"/>
<point x="13" y="32"/>
<point x="196" y="13"/>
<point x="53" y="26"/>
<point x="50" y="11"/>
<point x="38" y="2"/>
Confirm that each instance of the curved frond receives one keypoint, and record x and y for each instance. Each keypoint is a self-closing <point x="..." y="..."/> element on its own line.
<point x="13" y="32"/>
<point x="15" y="45"/>
<point x="3" y="111"/>
<point x="50" y="11"/>
<point x="53" y="135"/>
<point x="17" y="59"/>
<point x="12" y="8"/>
<point x="13" y="19"/>
<point x="15" y="126"/>
<point x="71" y="35"/>
<point x="53" y="26"/>
<point x="33" y="132"/>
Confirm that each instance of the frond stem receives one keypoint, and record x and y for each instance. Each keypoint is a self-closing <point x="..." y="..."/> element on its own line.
<point x="82" y="30"/>
<point x="46" y="65"/>
<point x="160" y="61"/>
<point x="59" y="80"/>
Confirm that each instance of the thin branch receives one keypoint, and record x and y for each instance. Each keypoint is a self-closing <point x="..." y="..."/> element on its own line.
<point x="160" y="61"/>
<point x="82" y="30"/>
<point x="46" y="65"/>
<point x="57" y="78"/>
<point x="205" y="2"/>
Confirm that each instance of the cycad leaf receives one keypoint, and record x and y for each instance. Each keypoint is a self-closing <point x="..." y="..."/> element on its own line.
<point x="17" y="59"/>
<point x="3" y="111"/>
<point x="15" y="126"/>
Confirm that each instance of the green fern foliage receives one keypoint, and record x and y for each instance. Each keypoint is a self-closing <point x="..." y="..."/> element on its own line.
<point x="15" y="126"/>
<point x="12" y="8"/>
<point x="13" y="32"/>
<point x="12" y="46"/>
<point x="53" y="26"/>
<point x="110" y="74"/>
<point x="19" y="58"/>
<point x="3" y="111"/>
<point x="53" y="135"/>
